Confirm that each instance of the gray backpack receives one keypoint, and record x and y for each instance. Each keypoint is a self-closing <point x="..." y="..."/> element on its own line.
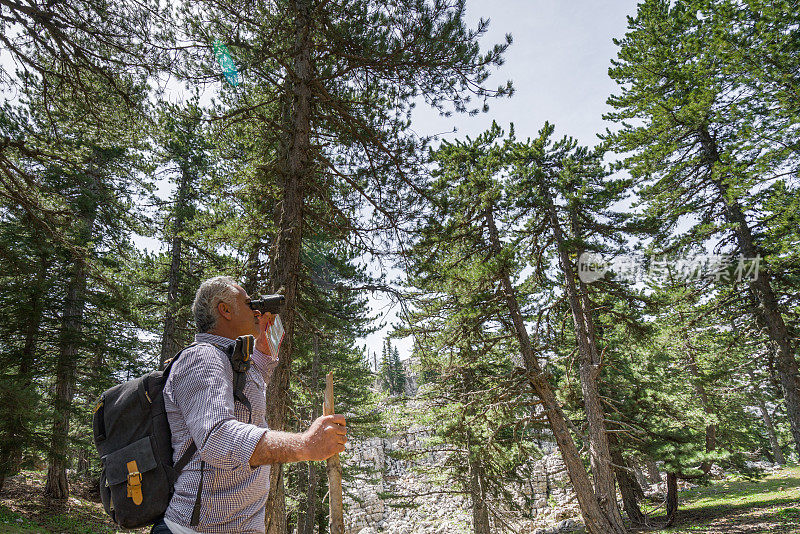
<point x="133" y="439"/>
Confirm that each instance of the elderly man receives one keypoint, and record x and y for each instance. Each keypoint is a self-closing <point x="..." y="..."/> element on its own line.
<point x="234" y="445"/>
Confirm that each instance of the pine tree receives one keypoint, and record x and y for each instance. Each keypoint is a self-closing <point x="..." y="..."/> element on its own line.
<point x="92" y="189"/>
<point x="186" y="146"/>
<point x="695" y="150"/>
<point x="476" y="209"/>
<point x="86" y="51"/>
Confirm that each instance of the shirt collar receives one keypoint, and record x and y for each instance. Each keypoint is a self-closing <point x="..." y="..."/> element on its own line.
<point x="214" y="339"/>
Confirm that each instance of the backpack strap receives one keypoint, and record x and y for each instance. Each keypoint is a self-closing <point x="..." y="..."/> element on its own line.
<point x="239" y="355"/>
<point x="240" y="363"/>
<point x="195" y="520"/>
<point x="183" y="461"/>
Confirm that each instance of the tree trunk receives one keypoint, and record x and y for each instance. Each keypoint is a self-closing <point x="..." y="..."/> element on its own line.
<point x="313" y="476"/>
<point x="589" y="370"/>
<point x="69" y="345"/>
<point x="629" y="487"/>
<point x="254" y="272"/>
<point x="777" y="453"/>
<point x="72" y="325"/>
<point x="170" y="345"/>
<point x="307" y="510"/>
<point x="768" y="309"/>
<point x="477" y="491"/>
<point x="672" y="498"/>
<point x="594" y="517"/>
<point x="637" y="473"/>
<point x="652" y="472"/>
<point x="302" y="487"/>
<point x="296" y="167"/>
<point x="83" y="461"/>
<point x="700" y="390"/>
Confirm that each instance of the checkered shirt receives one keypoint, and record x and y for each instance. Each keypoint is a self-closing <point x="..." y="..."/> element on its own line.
<point x="198" y="397"/>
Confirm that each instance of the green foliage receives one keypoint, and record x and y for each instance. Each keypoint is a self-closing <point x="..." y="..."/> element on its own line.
<point x="392" y="374"/>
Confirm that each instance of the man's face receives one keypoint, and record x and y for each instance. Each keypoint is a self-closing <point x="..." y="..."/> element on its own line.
<point x="244" y="321"/>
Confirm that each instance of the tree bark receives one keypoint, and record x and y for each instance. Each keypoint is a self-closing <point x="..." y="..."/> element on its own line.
<point x="777" y="453"/>
<point x="477" y="491"/>
<point x="296" y="168"/>
<point x="672" y="498"/>
<point x="594" y="516"/>
<point x="170" y="345"/>
<point x="768" y="309"/>
<point x="629" y="487"/>
<point x="69" y="346"/>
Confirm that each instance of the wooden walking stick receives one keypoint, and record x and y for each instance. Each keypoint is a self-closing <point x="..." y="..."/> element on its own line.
<point x="334" y="469"/>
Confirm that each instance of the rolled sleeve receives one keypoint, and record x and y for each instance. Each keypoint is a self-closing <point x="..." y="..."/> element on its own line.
<point x="202" y="391"/>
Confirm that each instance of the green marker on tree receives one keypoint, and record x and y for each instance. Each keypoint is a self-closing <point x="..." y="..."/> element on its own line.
<point x="226" y="62"/>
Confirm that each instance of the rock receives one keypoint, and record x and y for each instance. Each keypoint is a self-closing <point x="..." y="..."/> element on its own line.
<point x="566" y="524"/>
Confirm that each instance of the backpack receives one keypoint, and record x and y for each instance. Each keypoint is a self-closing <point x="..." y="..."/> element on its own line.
<point x="134" y="442"/>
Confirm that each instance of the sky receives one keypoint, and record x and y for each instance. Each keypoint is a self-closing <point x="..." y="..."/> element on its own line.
<point x="558" y="64"/>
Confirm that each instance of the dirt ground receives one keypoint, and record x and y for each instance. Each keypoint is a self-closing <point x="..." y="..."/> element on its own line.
<point x="23" y="508"/>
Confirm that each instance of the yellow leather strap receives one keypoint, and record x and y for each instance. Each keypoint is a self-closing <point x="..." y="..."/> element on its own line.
<point x="134" y="483"/>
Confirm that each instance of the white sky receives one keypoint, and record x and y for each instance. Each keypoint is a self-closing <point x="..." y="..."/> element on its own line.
<point x="559" y="66"/>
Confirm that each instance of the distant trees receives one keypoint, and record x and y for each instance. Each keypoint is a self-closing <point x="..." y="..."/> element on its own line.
<point x="392" y="374"/>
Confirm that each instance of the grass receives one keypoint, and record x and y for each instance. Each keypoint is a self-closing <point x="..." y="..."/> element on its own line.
<point x="770" y="505"/>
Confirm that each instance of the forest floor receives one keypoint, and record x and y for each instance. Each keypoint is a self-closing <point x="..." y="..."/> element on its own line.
<point x="24" y="510"/>
<point x="770" y="505"/>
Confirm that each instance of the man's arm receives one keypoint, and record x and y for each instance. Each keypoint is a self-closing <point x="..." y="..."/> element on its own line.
<point x="325" y="437"/>
<point x="202" y="389"/>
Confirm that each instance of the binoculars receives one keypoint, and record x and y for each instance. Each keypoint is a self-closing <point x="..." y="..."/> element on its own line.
<point x="270" y="303"/>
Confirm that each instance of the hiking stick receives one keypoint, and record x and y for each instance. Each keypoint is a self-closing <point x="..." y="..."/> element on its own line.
<point x="334" y="469"/>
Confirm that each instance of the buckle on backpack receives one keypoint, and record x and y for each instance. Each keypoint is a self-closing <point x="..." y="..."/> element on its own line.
<point x="134" y="483"/>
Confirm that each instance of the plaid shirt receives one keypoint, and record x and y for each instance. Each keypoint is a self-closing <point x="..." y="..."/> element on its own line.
<point x="198" y="397"/>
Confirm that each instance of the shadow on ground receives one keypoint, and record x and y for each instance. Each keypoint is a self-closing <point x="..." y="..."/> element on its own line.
<point x="767" y="506"/>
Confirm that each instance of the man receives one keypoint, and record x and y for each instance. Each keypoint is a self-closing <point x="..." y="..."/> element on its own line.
<point x="234" y="446"/>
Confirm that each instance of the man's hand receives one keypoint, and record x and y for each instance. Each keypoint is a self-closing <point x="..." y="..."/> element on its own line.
<point x="325" y="437"/>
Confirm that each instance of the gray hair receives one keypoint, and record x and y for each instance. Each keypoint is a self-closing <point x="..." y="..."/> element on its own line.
<point x="208" y="296"/>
